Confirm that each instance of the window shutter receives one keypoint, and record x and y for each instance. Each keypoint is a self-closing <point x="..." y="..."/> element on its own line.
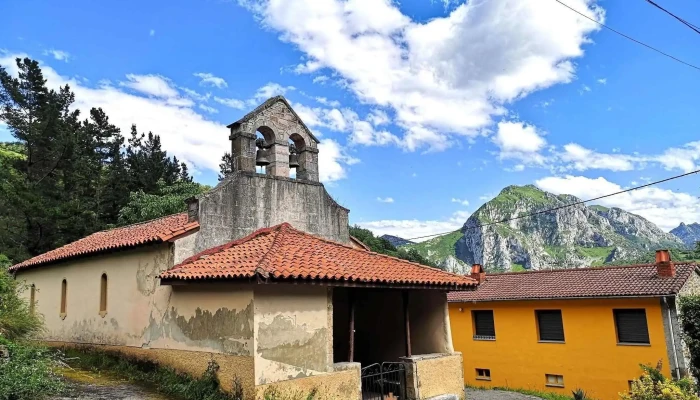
<point x="483" y="323"/>
<point x="550" y="325"/>
<point x="631" y="326"/>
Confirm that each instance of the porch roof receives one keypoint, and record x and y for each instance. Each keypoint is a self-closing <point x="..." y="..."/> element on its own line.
<point x="282" y="253"/>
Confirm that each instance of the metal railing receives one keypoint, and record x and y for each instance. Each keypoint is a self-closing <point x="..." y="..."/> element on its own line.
<point x="385" y="380"/>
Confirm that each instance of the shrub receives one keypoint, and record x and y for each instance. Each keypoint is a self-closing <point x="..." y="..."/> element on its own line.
<point x="579" y="394"/>
<point x="652" y="385"/>
<point x="16" y="319"/>
<point x="28" y="373"/>
<point x="690" y="323"/>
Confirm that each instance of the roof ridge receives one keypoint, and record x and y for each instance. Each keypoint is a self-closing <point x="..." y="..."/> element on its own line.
<point x="135" y="224"/>
<point x="264" y="262"/>
<point x="606" y="267"/>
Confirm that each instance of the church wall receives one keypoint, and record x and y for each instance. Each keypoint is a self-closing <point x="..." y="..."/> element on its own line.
<point x="246" y="202"/>
<point x="293" y="332"/>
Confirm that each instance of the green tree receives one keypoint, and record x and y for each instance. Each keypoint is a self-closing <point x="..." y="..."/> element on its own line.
<point x="383" y="246"/>
<point x="168" y="199"/>
<point x="226" y="166"/>
<point x="17" y="320"/>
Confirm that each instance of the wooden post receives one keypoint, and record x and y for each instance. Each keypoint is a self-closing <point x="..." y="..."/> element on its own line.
<point x="407" y="323"/>
<point x="351" y="350"/>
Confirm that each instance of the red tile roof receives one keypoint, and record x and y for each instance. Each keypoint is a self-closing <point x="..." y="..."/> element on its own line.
<point x="617" y="281"/>
<point x="282" y="252"/>
<point x="157" y="230"/>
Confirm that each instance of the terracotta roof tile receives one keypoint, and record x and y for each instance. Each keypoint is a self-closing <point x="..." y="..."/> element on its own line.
<point x="614" y="281"/>
<point x="157" y="230"/>
<point x="282" y="252"/>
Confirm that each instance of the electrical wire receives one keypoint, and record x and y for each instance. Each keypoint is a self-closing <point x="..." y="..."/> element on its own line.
<point x="684" y="22"/>
<point x="628" y="37"/>
<point x="563" y="206"/>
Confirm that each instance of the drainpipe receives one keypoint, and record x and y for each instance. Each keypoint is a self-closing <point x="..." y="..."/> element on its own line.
<point x="673" y="339"/>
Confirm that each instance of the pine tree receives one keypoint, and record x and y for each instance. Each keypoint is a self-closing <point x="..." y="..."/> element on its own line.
<point x="226" y="166"/>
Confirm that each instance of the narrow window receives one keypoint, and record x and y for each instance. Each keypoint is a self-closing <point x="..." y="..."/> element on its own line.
<point x="483" y="325"/>
<point x="32" y="298"/>
<point x="554" y="380"/>
<point x="483" y="374"/>
<point x="64" y="292"/>
<point x="631" y="326"/>
<point x="103" y="295"/>
<point x="550" y="325"/>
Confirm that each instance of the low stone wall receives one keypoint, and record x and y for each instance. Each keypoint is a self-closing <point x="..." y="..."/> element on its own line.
<point x="431" y="375"/>
<point x="342" y="384"/>
<point x="193" y="363"/>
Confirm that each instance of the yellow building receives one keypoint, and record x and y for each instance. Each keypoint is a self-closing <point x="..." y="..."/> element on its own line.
<point x="561" y="330"/>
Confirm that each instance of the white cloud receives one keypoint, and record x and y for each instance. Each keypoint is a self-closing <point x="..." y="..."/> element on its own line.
<point x="426" y="71"/>
<point x="209" y="79"/>
<point x="378" y="117"/>
<point x="196" y="95"/>
<point x="385" y="199"/>
<point x="665" y="208"/>
<point x="602" y="81"/>
<point x="581" y="158"/>
<point x="520" y="141"/>
<point x="233" y="103"/>
<point x="157" y="106"/>
<point x="59" y="55"/>
<point x="684" y="158"/>
<point x="210" y="110"/>
<point x="322" y="79"/>
<point x="332" y="161"/>
<point x="584" y="89"/>
<point x="153" y="85"/>
<point x="326" y="102"/>
<point x="460" y="201"/>
<point x="271" y="89"/>
<point x="413" y="228"/>
<point x="152" y="32"/>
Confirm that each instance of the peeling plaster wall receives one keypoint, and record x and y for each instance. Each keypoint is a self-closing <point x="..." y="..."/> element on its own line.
<point x="245" y="202"/>
<point x="131" y="277"/>
<point x="342" y="384"/>
<point x="291" y="332"/>
<point x="184" y="247"/>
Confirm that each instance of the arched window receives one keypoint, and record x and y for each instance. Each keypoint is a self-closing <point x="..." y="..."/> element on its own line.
<point x="32" y="298"/>
<point x="296" y="146"/>
<point x="64" y="293"/>
<point x="103" y="295"/>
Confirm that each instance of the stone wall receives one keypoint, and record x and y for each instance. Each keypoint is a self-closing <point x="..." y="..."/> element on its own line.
<point x="246" y="202"/>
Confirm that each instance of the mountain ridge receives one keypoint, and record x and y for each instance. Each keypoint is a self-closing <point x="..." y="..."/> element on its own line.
<point x="574" y="236"/>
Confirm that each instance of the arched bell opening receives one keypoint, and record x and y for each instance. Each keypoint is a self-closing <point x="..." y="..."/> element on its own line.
<point x="264" y="138"/>
<point x="296" y="145"/>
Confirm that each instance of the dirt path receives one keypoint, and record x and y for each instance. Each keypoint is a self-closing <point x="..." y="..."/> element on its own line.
<point x="477" y="394"/>
<point x="88" y="385"/>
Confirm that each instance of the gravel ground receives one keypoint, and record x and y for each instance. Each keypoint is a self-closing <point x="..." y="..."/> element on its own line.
<point x="477" y="394"/>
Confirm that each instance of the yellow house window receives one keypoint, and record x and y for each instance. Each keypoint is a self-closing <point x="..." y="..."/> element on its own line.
<point x="631" y="326"/>
<point x="550" y="326"/>
<point x="103" y="295"/>
<point x="554" y="380"/>
<point x="483" y="374"/>
<point x="32" y="298"/>
<point x="484" y="328"/>
<point x="64" y="293"/>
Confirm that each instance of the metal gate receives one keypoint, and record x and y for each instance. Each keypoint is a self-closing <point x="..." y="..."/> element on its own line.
<point x="384" y="381"/>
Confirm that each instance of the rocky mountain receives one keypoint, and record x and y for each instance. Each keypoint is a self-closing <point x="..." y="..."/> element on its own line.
<point x="689" y="234"/>
<point x="395" y="240"/>
<point x="575" y="236"/>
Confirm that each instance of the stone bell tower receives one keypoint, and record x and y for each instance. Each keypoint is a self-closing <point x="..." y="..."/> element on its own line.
<point x="271" y="135"/>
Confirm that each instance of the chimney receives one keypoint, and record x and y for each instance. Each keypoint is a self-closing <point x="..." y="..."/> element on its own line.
<point x="478" y="273"/>
<point x="192" y="209"/>
<point x="664" y="266"/>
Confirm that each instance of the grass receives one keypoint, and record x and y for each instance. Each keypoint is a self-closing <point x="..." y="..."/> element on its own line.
<point x="29" y="372"/>
<point x="517" y="268"/>
<point x="600" y="254"/>
<point x="165" y="380"/>
<point x="536" y="393"/>
<point x="597" y="207"/>
<point x="439" y="248"/>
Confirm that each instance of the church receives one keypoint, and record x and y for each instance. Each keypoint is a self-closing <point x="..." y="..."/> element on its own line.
<point x="261" y="277"/>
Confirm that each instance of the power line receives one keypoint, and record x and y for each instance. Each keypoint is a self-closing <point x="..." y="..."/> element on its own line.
<point x="628" y="37"/>
<point x="565" y="205"/>
<point x="684" y="22"/>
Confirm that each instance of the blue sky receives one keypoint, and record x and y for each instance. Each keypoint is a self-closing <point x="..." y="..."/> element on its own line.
<point x="425" y="109"/>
